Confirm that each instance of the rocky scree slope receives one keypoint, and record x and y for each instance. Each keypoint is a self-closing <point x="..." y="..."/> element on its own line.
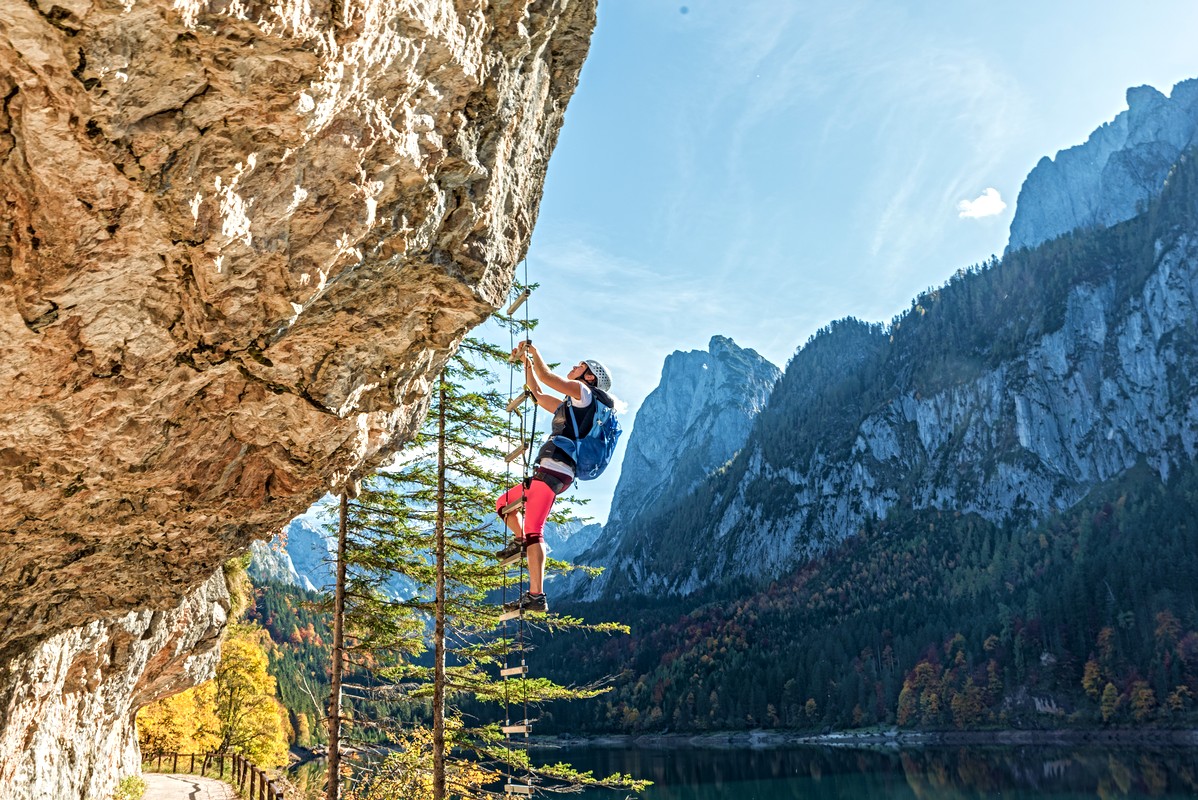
<point x="237" y="240"/>
<point x="689" y="427"/>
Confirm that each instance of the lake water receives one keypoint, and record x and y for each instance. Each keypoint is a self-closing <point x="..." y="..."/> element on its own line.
<point x="932" y="773"/>
<point x="825" y="773"/>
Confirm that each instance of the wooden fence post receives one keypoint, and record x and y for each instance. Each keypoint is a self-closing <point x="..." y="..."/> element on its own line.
<point x="175" y="763"/>
<point x="193" y="763"/>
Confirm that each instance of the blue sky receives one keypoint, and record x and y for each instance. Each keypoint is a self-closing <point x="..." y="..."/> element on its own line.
<point x="758" y="168"/>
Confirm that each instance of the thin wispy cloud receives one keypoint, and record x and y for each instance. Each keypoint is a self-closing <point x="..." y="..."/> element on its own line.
<point x="988" y="204"/>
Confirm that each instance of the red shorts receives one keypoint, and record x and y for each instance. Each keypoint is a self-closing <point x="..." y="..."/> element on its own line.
<point x="538" y="500"/>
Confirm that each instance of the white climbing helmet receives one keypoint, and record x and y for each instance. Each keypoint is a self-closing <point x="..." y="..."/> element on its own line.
<point x="602" y="376"/>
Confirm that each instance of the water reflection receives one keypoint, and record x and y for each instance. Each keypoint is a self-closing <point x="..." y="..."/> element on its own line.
<point x="939" y="773"/>
<point x="308" y="778"/>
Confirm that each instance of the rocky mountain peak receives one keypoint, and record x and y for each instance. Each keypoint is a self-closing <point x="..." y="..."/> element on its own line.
<point x="1110" y="177"/>
<point x="695" y="420"/>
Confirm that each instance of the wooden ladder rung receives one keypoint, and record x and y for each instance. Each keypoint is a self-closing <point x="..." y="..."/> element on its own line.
<point x="506" y="615"/>
<point x="518" y="788"/>
<point x="512" y="507"/>
<point x="507" y="673"/>
<point x="518" y="401"/>
<point x="514" y="558"/>
<point x="523" y="728"/>
<point x="519" y="451"/>
<point x="519" y="301"/>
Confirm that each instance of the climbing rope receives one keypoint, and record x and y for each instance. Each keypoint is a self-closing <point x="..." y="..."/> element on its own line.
<point x="522" y="450"/>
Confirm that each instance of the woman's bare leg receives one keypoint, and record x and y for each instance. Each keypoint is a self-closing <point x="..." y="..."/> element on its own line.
<point x="536" y="568"/>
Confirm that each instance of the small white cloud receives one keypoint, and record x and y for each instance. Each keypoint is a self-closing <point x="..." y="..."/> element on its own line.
<point x="987" y="205"/>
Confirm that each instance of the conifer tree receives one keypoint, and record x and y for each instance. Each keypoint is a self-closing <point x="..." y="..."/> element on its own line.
<point x="425" y="529"/>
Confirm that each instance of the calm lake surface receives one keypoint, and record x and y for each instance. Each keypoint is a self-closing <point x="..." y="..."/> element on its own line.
<point x="824" y="773"/>
<point x="840" y="773"/>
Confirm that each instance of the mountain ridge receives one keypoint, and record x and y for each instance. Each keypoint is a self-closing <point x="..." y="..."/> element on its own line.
<point x="691" y="424"/>
<point x="1008" y="392"/>
<point x="1112" y="175"/>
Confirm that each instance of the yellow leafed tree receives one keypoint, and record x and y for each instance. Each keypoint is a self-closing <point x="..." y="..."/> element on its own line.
<point x="407" y="772"/>
<point x="182" y="723"/>
<point x="252" y="721"/>
<point x="235" y="713"/>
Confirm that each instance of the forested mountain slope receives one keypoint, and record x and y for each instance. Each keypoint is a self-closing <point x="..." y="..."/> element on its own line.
<point x="981" y="514"/>
<point x="928" y="618"/>
<point x="1008" y="393"/>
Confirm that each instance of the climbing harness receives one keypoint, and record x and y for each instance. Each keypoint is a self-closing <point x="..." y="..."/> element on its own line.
<point x="515" y="664"/>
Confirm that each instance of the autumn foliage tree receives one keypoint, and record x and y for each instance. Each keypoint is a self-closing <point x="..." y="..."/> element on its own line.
<point x="181" y="723"/>
<point x="236" y="712"/>
<point x="252" y="721"/>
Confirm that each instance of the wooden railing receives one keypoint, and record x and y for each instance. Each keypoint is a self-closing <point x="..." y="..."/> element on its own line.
<point x="249" y="780"/>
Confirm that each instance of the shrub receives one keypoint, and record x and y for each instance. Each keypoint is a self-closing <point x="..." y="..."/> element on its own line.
<point x="130" y="788"/>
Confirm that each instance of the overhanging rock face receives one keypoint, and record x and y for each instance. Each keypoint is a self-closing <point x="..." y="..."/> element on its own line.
<point x="237" y="240"/>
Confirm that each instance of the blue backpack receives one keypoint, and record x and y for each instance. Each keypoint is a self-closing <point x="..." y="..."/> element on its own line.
<point x="591" y="453"/>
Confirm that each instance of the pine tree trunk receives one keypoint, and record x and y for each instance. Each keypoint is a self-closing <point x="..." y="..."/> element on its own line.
<point x="334" y="780"/>
<point x="439" y="630"/>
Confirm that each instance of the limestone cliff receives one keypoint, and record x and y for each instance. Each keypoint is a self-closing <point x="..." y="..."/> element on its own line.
<point x="69" y="704"/>
<point x="236" y="241"/>
<point x="1113" y="175"/>
<point x="697" y="418"/>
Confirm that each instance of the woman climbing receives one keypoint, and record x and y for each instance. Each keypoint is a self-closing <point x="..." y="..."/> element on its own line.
<point x="585" y="386"/>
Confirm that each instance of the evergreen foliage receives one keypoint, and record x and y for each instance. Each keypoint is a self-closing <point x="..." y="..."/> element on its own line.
<point x="430" y="519"/>
<point x="931" y="619"/>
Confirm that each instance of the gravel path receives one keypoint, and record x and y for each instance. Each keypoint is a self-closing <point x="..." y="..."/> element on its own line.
<point x="185" y="787"/>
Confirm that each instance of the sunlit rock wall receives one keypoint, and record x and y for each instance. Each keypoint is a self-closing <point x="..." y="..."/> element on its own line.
<point x="73" y="699"/>
<point x="237" y="239"/>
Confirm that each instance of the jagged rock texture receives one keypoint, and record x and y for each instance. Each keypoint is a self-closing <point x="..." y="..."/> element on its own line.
<point x="1113" y="175"/>
<point x="1084" y="404"/>
<point x="237" y="239"/>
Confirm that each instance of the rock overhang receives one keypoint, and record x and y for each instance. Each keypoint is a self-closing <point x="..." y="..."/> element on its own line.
<point x="237" y="241"/>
